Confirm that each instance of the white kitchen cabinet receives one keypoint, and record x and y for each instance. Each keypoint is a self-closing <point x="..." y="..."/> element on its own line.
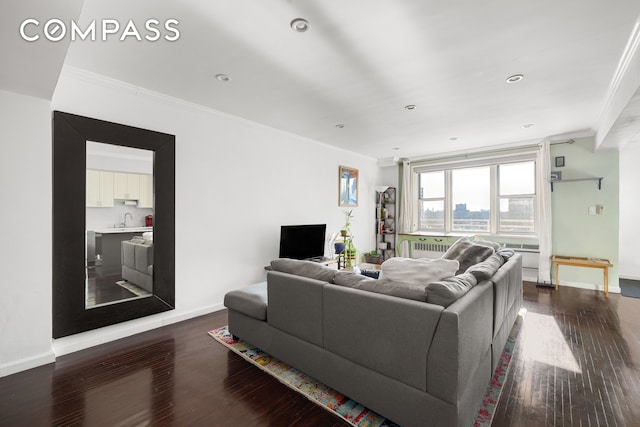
<point x="146" y="191"/>
<point x="99" y="189"/>
<point x="126" y="186"/>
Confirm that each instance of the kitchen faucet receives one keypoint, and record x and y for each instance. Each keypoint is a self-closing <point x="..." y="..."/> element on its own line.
<point x="125" y="218"/>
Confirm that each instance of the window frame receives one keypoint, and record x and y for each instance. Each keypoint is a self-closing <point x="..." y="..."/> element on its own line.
<point x="447" y="179"/>
<point x="495" y="196"/>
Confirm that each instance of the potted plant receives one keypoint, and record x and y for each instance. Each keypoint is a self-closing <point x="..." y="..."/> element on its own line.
<point x="372" y="257"/>
<point x="349" y="250"/>
<point x="346" y="229"/>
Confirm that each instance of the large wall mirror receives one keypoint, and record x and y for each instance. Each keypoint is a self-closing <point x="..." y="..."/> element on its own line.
<point x="113" y="223"/>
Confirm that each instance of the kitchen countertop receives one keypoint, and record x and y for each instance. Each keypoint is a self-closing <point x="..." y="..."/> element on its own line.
<point x="123" y="230"/>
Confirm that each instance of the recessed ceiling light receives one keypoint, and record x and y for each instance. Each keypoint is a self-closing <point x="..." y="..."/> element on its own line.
<point x="339" y="125"/>
<point x="410" y="107"/>
<point x="299" y="25"/>
<point x="528" y="125"/>
<point x="453" y="138"/>
<point x="223" y="78"/>
<point x="515" y="78"/>
<point x="396" y="148"/>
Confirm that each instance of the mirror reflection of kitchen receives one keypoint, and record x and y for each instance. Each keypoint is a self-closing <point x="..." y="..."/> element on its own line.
<point x="119" y="224"/>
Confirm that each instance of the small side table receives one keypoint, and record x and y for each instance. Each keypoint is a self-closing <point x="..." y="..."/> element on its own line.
<point x="604" y="264"/>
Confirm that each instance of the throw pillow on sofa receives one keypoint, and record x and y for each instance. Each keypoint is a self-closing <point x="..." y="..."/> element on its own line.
<point x="445" y="292"/>
<point x="310" y="269"/>
<point x="467" y="253"/>
<point x="420" y="271"/>
<point x="487" y="268"/>
<point x="381" y="286"/>
<point x="478" y="241"/>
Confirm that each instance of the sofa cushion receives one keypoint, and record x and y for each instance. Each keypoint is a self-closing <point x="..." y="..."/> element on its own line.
<point x="493" y="245"/>
<point x="446" y="291"/>
<point x="467" y="253"/>
<point x="350" y="280"/>
<point x="382" y="286"/>
<point x="485" y="269"/>
<point x="420" y="271"/>
<point x="251" y="300"/>
<point x="310" y="269"/>
<point x="506" y="253"/>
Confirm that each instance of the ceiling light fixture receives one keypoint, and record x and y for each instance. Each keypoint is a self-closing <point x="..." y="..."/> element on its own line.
<point x="453" y="138"/>
<point x="223" y="78"/>
<point x="528" y="125"/>
<point x="396" y="148"/>
<point x="515" y="78"/>
<point x="340" y="126"/>
<point x="410" y="107"/>
<point x="299" y="25"/>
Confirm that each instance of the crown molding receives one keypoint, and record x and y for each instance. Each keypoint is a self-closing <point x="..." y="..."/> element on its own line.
<point x="624" y="84"/>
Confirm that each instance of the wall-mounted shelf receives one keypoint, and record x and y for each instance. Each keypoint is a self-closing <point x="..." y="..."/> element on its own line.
<point x="599" y="179"/>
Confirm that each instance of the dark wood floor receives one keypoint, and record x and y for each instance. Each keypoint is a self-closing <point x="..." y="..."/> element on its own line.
<point x="102" y="290"/>
<point x="576" y="363"/>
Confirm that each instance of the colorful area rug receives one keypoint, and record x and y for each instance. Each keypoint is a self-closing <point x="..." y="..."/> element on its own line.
<point x="348" y="409"/>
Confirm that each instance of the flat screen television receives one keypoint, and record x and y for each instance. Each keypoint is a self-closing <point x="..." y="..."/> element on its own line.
<point x="302" y="241"/>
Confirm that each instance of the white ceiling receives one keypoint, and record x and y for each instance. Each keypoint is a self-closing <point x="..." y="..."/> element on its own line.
<point x="32" y="68"/>
<point x="362" y="61"/>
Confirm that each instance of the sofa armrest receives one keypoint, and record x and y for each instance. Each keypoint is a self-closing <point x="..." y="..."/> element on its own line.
<point x="507" y="288"/>
<point x="461" y="341"/>
<point x="128" y="255"/>
<point x="144" y="257"/>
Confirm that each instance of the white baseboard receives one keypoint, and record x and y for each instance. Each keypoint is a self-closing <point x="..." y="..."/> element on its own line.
<point x="629" y="277"/>
<point x="590" y="286"/>
<point x="27" y="363"/>
<point x="88" y="339"/>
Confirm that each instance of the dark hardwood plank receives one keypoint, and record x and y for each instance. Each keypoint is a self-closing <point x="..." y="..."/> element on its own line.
<point x="101" y="290"/>
<point x="576" y="363"/>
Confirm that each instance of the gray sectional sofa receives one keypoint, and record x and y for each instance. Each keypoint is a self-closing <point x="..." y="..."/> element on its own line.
<point x="137" y="262"/>
<point x="411" y="360"/>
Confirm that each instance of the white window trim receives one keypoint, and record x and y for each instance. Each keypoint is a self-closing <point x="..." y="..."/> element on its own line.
<point x="490" y="160"/>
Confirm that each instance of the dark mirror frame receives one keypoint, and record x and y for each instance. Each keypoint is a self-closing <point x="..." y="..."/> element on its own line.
<point x="70" y="133"/>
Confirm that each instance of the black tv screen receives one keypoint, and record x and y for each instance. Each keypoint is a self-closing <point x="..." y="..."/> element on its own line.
<point x="302" y="241"/>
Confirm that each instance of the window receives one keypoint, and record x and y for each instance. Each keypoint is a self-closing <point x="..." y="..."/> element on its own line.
<point x="516" y="197"/>
<point x="484" y="198"/>
<point x="431" y="203"/>
<point x="471" y="192"/>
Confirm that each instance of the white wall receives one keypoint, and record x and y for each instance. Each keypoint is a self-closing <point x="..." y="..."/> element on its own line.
<point x="389" y="176"/>
<point x="25" y="221"/>
<point x="236" y="183"/>
<point x="629" y="212"/>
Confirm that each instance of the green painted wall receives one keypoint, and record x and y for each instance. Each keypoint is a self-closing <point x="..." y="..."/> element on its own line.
<point x="575" y="232"/>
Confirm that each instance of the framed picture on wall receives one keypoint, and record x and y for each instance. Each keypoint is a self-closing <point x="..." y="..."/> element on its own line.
<point x="347" y="186"/>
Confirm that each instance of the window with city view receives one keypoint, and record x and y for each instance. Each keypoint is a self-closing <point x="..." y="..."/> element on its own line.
<point x="495" y="199"/>
<point x="517" y="193"/>
<point x="471" y="191"/>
